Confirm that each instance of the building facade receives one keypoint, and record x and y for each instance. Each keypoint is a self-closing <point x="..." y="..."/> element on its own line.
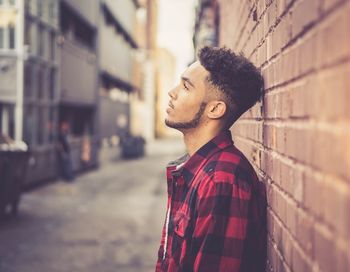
<point x="117" y="47"/>
<point x="77" y="63"/>
<point x="144" y="101"/>
<point x="78" y="96"/>
<point x="11" y="20"/>
<point x="29" y="78"/>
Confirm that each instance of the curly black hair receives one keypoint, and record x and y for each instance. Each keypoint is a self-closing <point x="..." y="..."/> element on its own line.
<point x="235" y="76"/>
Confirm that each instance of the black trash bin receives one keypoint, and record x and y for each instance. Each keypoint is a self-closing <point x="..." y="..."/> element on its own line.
<point x="13" y="165"/>
<point x="132" y="146"/>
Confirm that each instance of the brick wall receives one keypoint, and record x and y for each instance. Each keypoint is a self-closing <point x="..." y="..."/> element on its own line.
<point x="298" y="136"/>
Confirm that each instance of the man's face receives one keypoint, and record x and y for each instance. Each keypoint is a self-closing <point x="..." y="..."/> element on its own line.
<point x="187" y="100"/>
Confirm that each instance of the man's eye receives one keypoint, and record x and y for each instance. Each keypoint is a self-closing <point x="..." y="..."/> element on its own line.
<point x="185" y="86"/>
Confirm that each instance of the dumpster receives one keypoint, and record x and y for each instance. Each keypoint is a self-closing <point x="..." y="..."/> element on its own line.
<point x="13" y="164"/>
<point x="132" y="146"/>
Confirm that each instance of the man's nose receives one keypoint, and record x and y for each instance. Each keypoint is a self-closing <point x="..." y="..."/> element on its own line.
<point x="172" y="93"/>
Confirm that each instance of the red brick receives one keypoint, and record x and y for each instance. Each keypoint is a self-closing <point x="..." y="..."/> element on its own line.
<point x="276" y="232"/>
<point x="308" y="54"/>
<point x="305" y="232"/>
<point x="300" y="261"/>
<point x="334" y="37"/>
<point x="331" y="93"/>
<point x="280" y="207"/>
<point x="296" y="187"/>
<point x="329" y="4"/>
<point x="324" y="250"/>
<point x="300" y="99"/>
<point x="342" y="255"/>
<point x="314" y="194"/>
<point x="271" y="14"/>
<point x="280" y="7"/>
<point x="291" y="220"/>
<point x="337" y="205"/>
<point x="261" y="7"/>
<point x="303" y="14"/>
<point x="286" y="247"/>
<point x="281" y="35"/>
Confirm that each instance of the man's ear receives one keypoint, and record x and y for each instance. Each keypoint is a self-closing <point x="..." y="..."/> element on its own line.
<point x="216" y="109"/>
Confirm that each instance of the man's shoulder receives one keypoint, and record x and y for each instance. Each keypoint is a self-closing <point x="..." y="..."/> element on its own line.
<point x="230" y="165"/>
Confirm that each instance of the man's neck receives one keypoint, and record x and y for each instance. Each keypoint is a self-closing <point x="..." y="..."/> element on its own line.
<point x="195" y="138"/>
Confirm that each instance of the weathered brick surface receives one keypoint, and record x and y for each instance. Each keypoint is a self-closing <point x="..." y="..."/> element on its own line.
<point x="298" y="136"/>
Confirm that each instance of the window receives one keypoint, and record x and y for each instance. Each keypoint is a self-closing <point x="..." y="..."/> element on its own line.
<point x="27" y="28"/>
<point x="27" y="5"/>
<point x="10" y="2"/>
<point x="7" y="120"/>
<point x="41" y="125"/>
<point x="52" y="46"/>
<point x="80" y="119"/>
<point x="28" y="81"/>
<point x="2" y="44"/>
<point x="40" y="7"/>
<point x="7" y="25"/>
<point x="52" y="11"/>
<point x="41" y="41"/>
<point x="51" y="125"/>
<point x="29" y="125"/>
<point x="12" y="37"/>
<point x="40" y="82"/>
<point x="52" y="84"/>
<point x="29" y="35"/>
<point x="31" y="6"/>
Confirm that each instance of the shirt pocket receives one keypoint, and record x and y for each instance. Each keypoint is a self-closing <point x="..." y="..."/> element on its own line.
<point x="181" y="224"/>
<point x="181" y="240"/>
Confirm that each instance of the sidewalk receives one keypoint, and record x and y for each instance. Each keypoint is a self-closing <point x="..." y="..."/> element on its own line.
<point x="107" y="220"/>
<point x="159" y="147"/>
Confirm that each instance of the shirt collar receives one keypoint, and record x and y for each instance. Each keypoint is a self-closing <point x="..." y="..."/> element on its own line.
<point x="187" y="166"/>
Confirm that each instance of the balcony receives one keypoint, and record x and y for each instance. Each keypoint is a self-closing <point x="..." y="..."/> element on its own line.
<point x="115" y="54"/>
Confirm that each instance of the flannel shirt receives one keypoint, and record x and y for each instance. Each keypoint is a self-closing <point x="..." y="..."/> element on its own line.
<point x="216" y="212"/>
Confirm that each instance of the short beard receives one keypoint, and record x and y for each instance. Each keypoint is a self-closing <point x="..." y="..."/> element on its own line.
<point x="191" y="124"/>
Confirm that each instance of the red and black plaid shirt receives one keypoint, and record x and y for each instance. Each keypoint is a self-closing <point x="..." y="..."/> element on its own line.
<point x="216" y="212"/>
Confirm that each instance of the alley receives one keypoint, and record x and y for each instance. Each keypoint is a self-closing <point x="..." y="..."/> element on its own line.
<point x="107" y="220"/>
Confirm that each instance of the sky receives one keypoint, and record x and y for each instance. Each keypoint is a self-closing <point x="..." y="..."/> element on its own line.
<point x="175" y="30"/>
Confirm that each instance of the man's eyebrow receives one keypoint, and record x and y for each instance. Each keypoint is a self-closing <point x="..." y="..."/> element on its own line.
<point x="187" y="80"/>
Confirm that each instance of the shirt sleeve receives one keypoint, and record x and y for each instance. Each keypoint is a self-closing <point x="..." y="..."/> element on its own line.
<point x="221" y="224"/>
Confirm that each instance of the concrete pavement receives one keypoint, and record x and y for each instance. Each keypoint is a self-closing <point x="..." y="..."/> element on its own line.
<point x="107" y="220"/>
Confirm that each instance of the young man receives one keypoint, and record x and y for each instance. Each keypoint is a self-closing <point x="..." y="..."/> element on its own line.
<point x="216" y="212"/>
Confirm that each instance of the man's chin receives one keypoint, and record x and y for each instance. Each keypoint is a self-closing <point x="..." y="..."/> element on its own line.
<point x="181" y="126"/>
<point x="171" y="124"/>
<point x="168" y="123"/>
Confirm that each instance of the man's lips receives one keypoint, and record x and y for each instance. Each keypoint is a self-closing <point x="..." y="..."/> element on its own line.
<point x="170" y="105"/>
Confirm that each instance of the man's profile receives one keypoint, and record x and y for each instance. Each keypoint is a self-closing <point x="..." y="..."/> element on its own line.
<point x="216" y="211"/>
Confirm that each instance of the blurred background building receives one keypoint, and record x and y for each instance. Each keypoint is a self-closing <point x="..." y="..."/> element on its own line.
<point x="91" y="65"/>
<point x="11" y="61"/>
<point x="117" y="47"/>
<point x="143" y="102"/>
<point x="94" y="66"/>
<point x="78" y="97"/>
